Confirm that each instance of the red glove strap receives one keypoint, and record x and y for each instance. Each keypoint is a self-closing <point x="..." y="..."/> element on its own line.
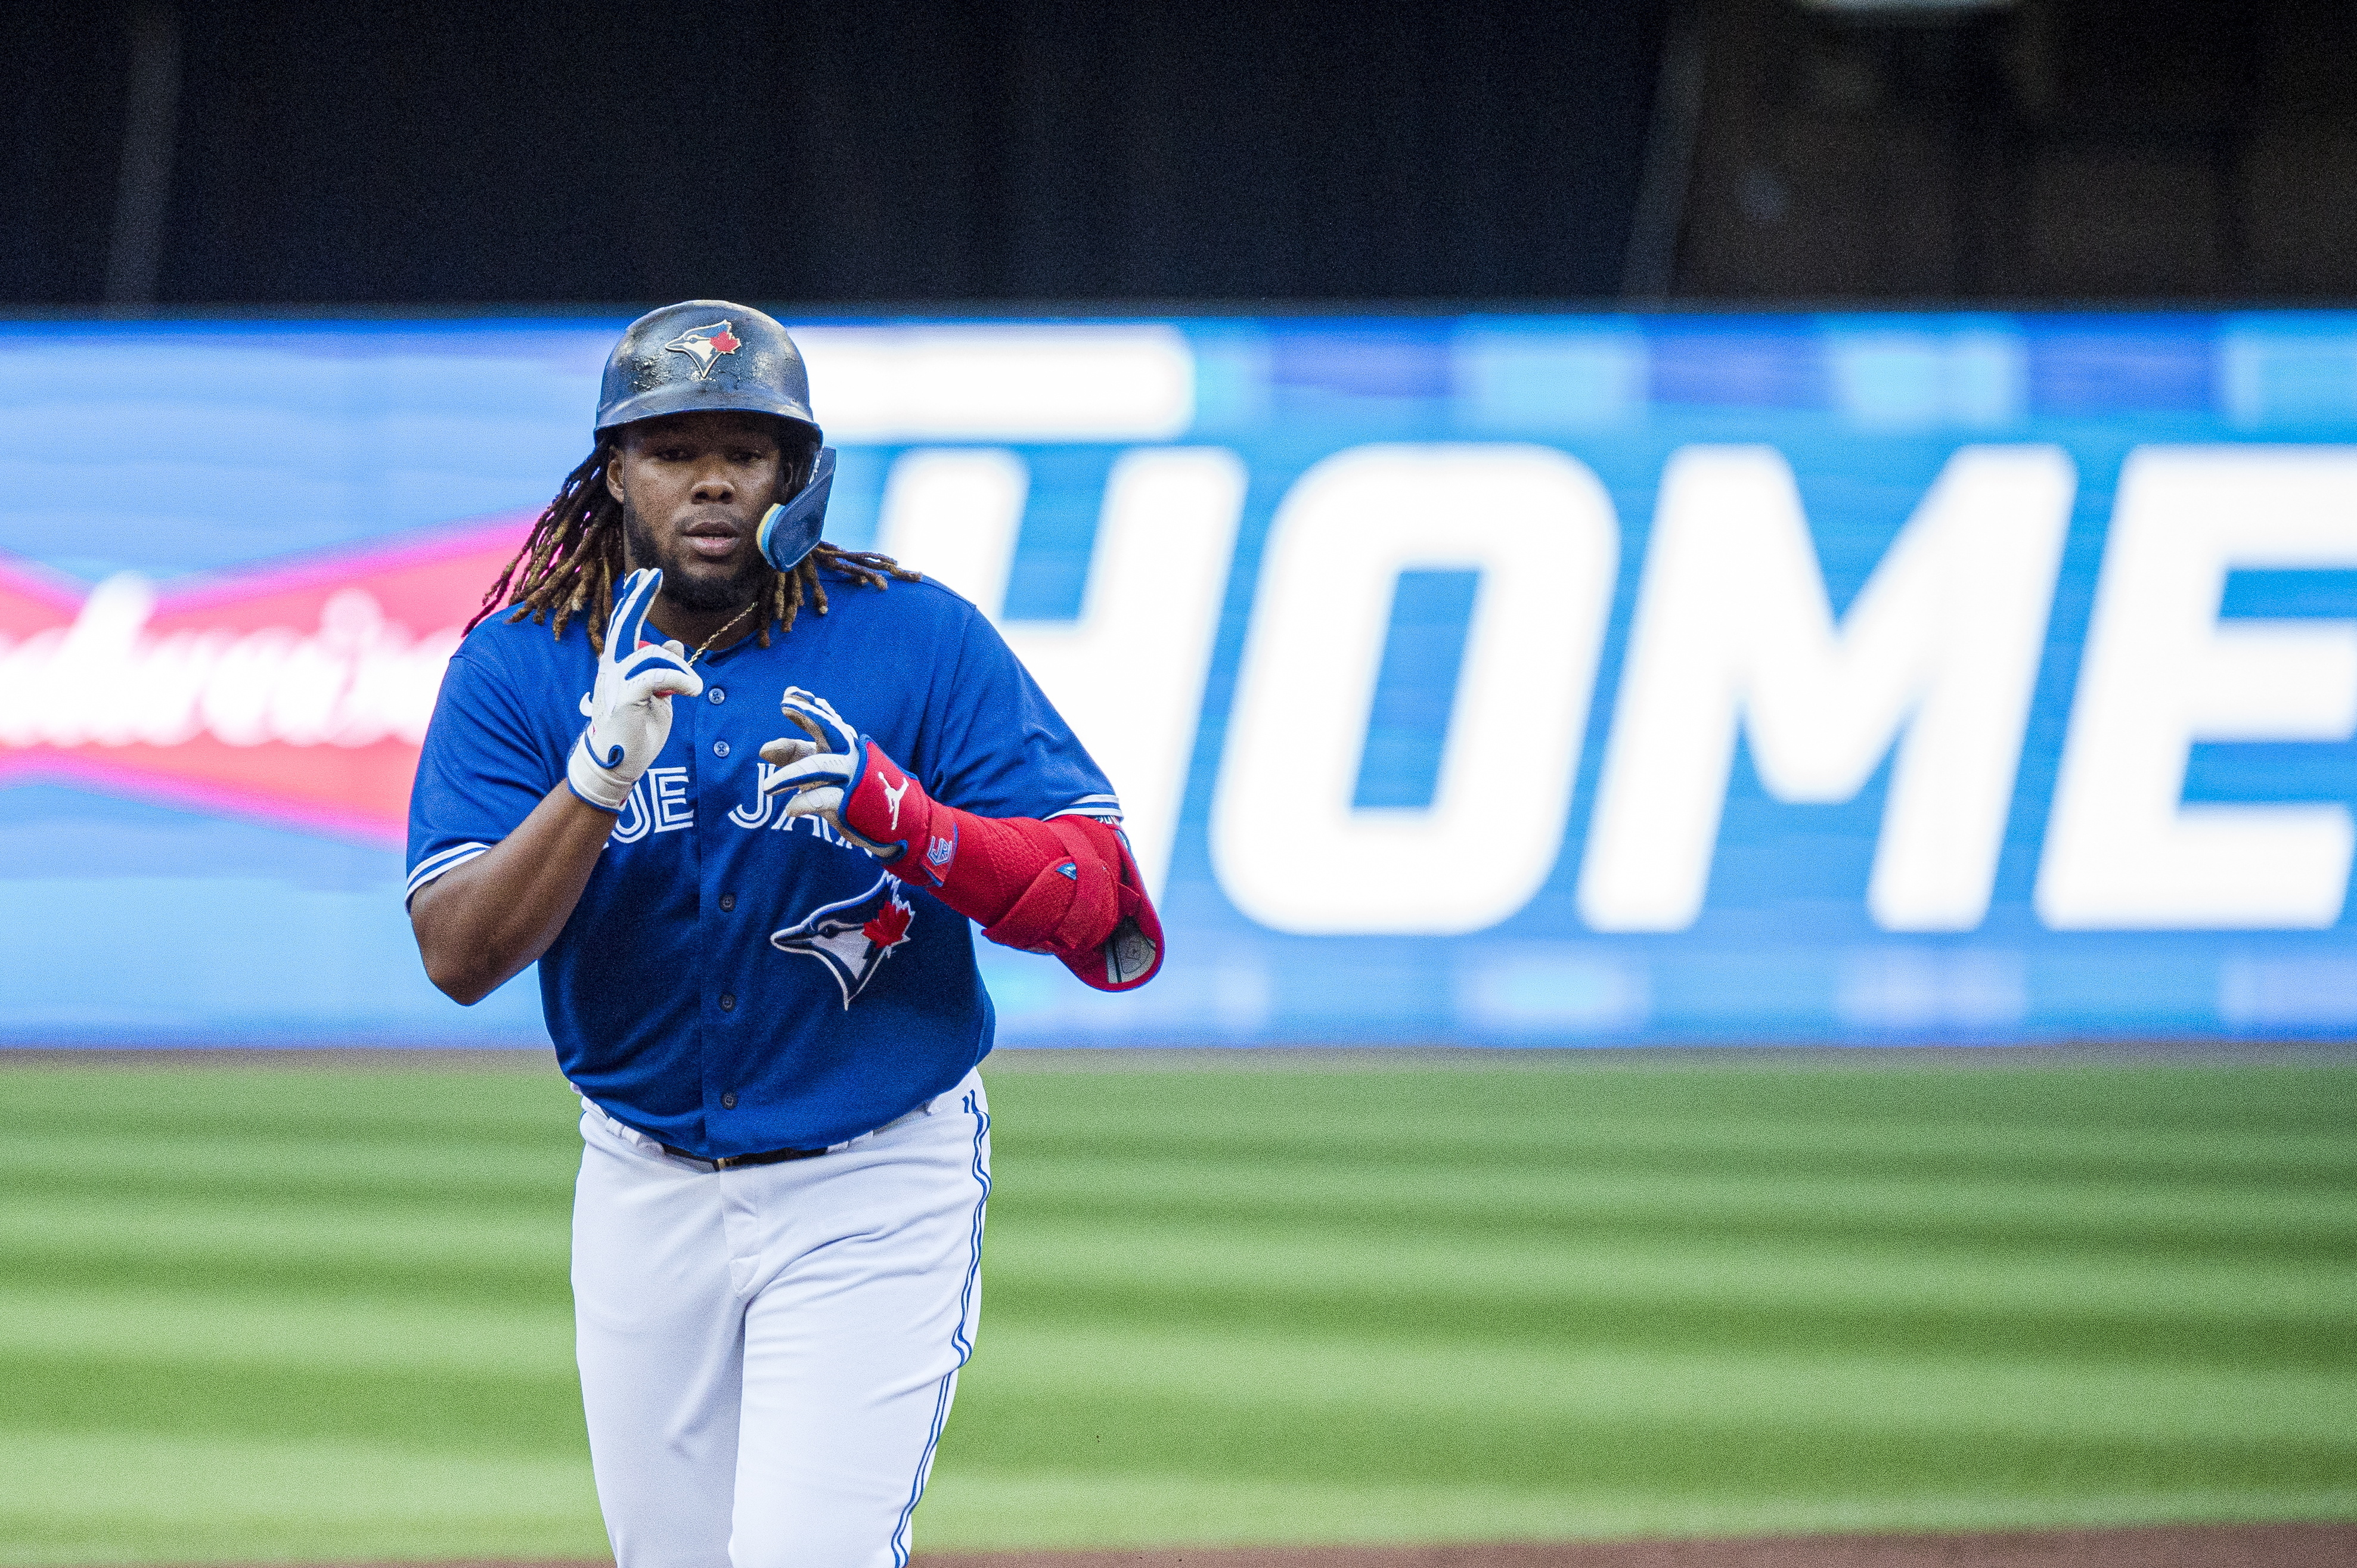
<point x="889" y="806"/>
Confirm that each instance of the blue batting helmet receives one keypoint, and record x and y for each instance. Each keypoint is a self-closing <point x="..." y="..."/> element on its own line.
<point x="707" y="355"/>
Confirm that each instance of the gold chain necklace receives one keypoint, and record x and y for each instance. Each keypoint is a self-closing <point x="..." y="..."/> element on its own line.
<point x="705" y="645"/>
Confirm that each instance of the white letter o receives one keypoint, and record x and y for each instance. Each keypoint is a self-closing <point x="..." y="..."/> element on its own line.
<point x="1289" y="848"/>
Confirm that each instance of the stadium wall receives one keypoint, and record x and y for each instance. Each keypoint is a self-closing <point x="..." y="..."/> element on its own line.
<point x="1484" y="679"/>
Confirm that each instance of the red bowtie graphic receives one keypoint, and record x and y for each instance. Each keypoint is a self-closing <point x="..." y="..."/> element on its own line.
<point x="295" y="694"/>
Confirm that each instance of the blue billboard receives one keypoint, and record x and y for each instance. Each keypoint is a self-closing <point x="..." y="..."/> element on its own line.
<point x="1482" y="680"/>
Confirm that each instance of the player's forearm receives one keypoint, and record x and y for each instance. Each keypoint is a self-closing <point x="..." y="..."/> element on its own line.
<point x="992" y="861"/>
<point x="1065" y="886"/>
<point x="1069" y="886"/>
<point x="477" y="927"/>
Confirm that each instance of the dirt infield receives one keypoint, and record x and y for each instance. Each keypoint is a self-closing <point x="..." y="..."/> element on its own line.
<point x="2174" y="1546"/>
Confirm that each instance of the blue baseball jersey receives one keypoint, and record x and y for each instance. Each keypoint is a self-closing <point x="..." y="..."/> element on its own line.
<point x="732" y="980"/>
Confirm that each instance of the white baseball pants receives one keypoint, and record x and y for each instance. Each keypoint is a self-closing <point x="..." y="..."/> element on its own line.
<point x="768" y="1354"/>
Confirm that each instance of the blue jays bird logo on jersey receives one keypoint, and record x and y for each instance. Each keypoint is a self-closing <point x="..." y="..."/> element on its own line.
<point x="704" y="345"/>
<point x="852" y="937"/>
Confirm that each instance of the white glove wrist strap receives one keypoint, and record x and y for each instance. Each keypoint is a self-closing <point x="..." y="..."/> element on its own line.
<point x="602" y="787"/>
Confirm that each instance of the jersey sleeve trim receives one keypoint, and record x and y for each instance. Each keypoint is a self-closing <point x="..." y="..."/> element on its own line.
<point x="1091" y="806"/>
<point x="440" y="864"/>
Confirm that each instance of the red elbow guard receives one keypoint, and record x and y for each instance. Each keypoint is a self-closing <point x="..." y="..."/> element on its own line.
<point x="1089" y="907"/>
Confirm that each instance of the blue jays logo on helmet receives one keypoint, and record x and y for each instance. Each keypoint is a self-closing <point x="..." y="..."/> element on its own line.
<point x="704" y="345"/>
<point x="852" y="937"/>
<point x="705" y="355"/>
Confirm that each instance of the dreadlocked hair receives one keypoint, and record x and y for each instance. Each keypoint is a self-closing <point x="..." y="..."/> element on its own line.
<point x="570" y="561"/>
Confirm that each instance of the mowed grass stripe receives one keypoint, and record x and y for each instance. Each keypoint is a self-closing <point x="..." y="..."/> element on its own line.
<point x="1265" y="1305"/>
<point x="2190" y="1218"/>
<point x="1735" y="1140"/>
<point x="266" y="1328"/>
<point x="2097" y="1309"/>
<point x="1369" y="1378"/>
<point x="306" y="1099"/>
<point x="1094" y="1510"/>
<point x="431" y="1412"/>
<point x="296" y="1246"/>
<point x="2160" y="1112"/>
<point x="223" y="1496"/>
<point x="171" y="1240"/>
<point x="1719" y="1459"/>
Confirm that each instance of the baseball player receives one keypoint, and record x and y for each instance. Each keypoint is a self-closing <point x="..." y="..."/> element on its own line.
<point x="756" y="943"/>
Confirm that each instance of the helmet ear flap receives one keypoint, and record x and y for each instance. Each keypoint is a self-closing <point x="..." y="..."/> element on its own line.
<point x="789" y="530"/>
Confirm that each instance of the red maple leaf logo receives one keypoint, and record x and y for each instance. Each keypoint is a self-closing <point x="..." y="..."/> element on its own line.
<point x="725" y="341"/>
<point x="889" y="927"/>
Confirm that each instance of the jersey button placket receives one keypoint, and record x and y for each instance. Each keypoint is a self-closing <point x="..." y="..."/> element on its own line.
<point x="719" y="1058"/>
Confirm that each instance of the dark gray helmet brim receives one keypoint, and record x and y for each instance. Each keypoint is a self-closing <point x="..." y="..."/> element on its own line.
<point x="702" y="397"/>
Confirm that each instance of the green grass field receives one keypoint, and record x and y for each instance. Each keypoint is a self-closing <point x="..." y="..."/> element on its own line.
<point x="316" y="1312"/>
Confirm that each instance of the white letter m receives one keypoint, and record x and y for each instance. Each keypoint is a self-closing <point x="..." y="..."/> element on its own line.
<point x="1733" y="625"/>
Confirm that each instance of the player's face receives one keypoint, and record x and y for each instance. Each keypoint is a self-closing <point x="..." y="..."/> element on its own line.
<point x="693" y="487"/>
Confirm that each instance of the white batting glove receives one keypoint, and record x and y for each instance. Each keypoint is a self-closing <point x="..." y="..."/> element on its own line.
<point x="629" y="707"/>
<point x="823" y="771"/>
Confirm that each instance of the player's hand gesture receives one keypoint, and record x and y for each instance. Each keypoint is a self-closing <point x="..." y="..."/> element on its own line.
<point x="630" y="706"/>
<point x="823" y="770"/>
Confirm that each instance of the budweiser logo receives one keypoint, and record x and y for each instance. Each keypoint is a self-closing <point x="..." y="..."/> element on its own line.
<point x="300" y="696"/>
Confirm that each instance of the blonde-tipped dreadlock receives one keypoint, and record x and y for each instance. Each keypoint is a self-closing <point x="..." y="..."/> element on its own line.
<point x="569" y="563"/>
